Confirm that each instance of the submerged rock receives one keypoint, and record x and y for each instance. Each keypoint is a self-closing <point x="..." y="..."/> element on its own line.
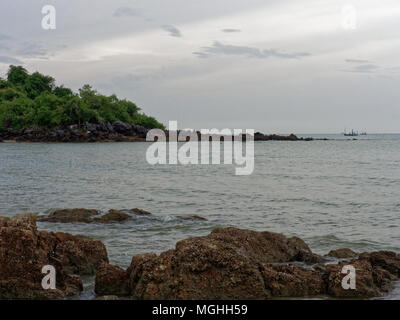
<point x="192" y="217"/>
<point x="89" y="216"/>
<point x="140" y="212"/>
<point x="113" y="216"/>
<point x="231" y="263"/>
<point x="24" y="251"/>
<point x="71" y="215"/>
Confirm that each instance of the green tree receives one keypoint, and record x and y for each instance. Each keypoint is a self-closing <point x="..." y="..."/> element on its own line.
<point x="38" y="83"/>
<point x="17" y="75"/>
<point x="34" y="100"/>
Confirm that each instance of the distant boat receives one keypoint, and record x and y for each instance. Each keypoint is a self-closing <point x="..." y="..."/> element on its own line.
<point x="351" y="134"/>
<point x="363" y="134"/>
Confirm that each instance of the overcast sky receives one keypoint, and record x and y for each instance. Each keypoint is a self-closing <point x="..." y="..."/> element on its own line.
<point x="310" y="66"/>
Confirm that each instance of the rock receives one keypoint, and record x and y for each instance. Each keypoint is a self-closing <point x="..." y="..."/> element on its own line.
<point x="342" y="253"/>
<point x="370" y="281"/>
<point x="140" y="212"/>
<point x="309" y="257"/>
<point x="122" y="128"/>
<point x="192" y="217"/>
<point x="387" y="260"/>
<point x="111" y="280"/>
<point x="232" y="263"/>
<point x="86" y="216"/>
<point x="71" y="215"/>
<point x="79" y="254"/>
<point x="227" y="264"/>
<point x="292" y="281"/>
<point x="106" y="298"/>
<point x="140" y="131"/>
<point x="24" y="251"/>
<point x="113" y="216"/>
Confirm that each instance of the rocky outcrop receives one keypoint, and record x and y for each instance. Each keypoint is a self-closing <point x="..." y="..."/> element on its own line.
<point x="70" y="215"/>
<point x="342" y="253"/>
<point x="232" y="263"/>
<point x="258" y="136"/>
<point x="291" y="281"/>
<point x="229" y="263"/>
<point x="371" y="279"/>
<point x="86" y="216"/>
<point x="113" y="216"/>
<point x="114" y="279"/>
<point x="90" y="132"/>
<point x="79" y="254"/>
<point x="24" y="251"/>
<point x="140" y="212"/>
<point x="192" y="218"/>
<point x="109" y="132"/>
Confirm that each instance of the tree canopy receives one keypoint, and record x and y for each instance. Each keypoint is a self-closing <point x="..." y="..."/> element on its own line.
<point x="28" y="100"/>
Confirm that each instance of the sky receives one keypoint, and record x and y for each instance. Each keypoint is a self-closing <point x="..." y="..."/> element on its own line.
<point x="283" y="66"/>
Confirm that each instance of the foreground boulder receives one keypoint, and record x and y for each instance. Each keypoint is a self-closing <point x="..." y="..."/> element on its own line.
<point x="227" y="264"/>
<point x="24" y="251"/>
<point x="232" y="263"/>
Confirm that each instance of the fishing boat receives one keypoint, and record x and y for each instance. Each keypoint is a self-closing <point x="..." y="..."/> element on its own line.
<point x="351" y="134"/>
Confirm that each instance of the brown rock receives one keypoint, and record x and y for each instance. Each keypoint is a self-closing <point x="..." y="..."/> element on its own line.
<point x="71" y="215"/>
<point x="192" y="217"/>
<point x="24" y="251"/>
<point x="232" y="263"/>
<point x="113" y="216"/>
<point x="387" y="260"/>
<point x="140" y="212"/>
<point x="292" y="281"/>
<point x="78" y="254"/>
<point x="106" y="298"/>
<point x="111" y="280"/>
<point x="342" y="253"/>
<point x="227" y="264"/>
<point x="370" y="281"/>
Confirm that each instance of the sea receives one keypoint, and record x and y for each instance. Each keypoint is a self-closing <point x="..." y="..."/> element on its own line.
<point x="335" y="193"/>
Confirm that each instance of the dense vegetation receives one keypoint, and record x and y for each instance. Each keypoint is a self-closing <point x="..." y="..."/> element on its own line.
<point x="28" y="100"/>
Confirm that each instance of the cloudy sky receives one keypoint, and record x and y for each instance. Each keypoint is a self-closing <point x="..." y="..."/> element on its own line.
<point x="310" y="66"/>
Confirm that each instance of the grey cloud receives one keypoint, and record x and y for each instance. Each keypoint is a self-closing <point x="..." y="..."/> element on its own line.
<point x="223" y="49"/>
<point x="357" y="61"/>
<point x="9" y="60"/>
<point x="200" y="54"/>
<point x="231" y="30"/>
<point x="4" y="37"/>
<point x="362" y="66"/>
<point x="130" y="80"/>
<point x="31" y="49"/>
<point x="125" y="12"/>
<point x="173" y="31"/>
<point x="365" y="68"/>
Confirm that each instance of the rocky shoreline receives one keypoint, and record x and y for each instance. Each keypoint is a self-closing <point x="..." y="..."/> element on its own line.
<point x="104" y="132"/>
<point x="229" y="263"/>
